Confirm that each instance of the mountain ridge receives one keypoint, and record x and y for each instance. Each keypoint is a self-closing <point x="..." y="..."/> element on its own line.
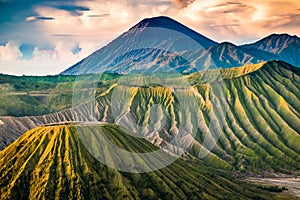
<point x="283" y="46"/>
<point x="163" y="44"/>
<point x="156" y="93"/>
<point x="52" y="162"/>
<point x="261" y="109"/>
<point x="274" y="40"/>
<point x="145" y="44"/>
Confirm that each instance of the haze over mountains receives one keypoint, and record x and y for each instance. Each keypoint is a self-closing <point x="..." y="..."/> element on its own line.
<point x="163" y="44"/>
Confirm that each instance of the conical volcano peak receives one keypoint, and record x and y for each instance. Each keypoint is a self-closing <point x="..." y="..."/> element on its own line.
<point x="135" y="50"/>
<point x="164" y="22"/>
<point x="161" y="21"/>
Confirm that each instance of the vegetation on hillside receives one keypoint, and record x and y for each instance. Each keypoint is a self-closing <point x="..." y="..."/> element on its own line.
<point x="50" y="162"/>
<point x="38" y="95"/>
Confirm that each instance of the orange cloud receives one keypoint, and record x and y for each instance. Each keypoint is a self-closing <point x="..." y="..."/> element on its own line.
<point x="242" y="21"/>
<point x="182" y="3"/>
<point x="221" y="20"/>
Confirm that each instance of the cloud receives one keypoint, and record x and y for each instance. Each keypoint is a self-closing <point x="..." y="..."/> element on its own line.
<point x="48" y="61"/>
<point x="182" y="3"/>
<point x="68" y="30"/>
<point x="73" y="9"/>
<point x="63" y="51"/>
<point x="282" y="21"/>
<point x="102" y="15"/>
<point x="230" y="11"/>
<point x="256" y="19"/>
<point x="233" y="3"/>
<point x="224" y="25"/>
<point x="228" y="7"/>
<point x="225" y="4"/>
<point x="10" y="51"/>
<point x="36" y="18"/>
<point x="65" y="35"/>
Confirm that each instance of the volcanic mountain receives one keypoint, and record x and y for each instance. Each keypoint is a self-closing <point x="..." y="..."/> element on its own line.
<point x="161" y="44"/>
<point x="51" y="162"/>
<point x="253" y="110"/>
<point x="283" y="46"/>
<point x="155" y="95"/>
<point x="148" y="46"/>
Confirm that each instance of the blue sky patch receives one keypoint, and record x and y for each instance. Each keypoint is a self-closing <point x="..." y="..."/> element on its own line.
<point x="74" y="10"/>
<point x="76" y="50"/>
<point x="27" y="51"/>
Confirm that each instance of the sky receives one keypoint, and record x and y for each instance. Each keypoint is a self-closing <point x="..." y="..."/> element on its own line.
<point x="46" y="37"/>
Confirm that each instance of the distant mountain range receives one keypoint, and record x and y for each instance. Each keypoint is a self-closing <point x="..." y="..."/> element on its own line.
<point x="280" y="46"/>
<point x="162" y="44"/>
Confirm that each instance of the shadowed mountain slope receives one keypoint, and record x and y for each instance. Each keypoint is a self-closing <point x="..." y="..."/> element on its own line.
<point x="161" y="44"/>
<point x="283" y="46"/>
<point x="227" y="55"/>
<point x="149" y="46"/>
<point x="168" y="23"/>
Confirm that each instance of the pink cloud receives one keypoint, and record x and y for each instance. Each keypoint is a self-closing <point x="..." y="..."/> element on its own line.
<point x="10" y="51"/>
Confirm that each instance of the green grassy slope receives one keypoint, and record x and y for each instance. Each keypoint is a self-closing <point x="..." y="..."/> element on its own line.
<point x="259" y="125"/>
<point x="255" y="109"/>
<point x="262" y="118"/>
<point x="50" y="162"/>
<point x="38" y="95"/>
